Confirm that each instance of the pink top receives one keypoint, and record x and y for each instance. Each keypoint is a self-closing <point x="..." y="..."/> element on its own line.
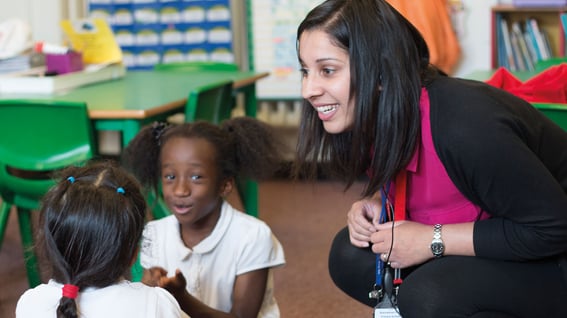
<point x="432" y="196"/>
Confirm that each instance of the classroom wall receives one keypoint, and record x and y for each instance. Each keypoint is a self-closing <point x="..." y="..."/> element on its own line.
<point x="473" y="25"/>
<point x="473" y="29"/>
<point x="43" y="16"/>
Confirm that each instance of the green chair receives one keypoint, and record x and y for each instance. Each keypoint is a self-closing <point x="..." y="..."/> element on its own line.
<point x="542" y="65"/>
<point x="38" y="137"/>
<point x="205" y="95"/>
<point x="212" y="103"/>
<point x="555" y="112"/>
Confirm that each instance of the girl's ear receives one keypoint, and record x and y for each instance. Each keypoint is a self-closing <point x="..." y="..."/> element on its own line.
<point x="226" y="187"/>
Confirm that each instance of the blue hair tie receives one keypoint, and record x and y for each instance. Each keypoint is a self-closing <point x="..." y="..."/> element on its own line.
<point x="120" y="190"/>
<point x="71" y="179"/>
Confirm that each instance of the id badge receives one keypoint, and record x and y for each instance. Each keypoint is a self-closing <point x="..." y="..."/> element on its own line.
<point x="386" y="313"/>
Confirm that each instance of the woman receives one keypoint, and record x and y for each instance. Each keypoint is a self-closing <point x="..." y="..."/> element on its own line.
<point x="485" y="232"/>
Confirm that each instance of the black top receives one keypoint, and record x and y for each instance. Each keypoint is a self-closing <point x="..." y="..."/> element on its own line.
<point x="508" y="158"/>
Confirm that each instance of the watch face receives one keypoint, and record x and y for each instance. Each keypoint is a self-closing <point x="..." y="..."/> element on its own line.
<point x="437" y="249"/>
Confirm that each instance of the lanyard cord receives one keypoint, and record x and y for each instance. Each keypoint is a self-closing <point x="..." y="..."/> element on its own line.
<point x="383" y="218"/>
<point x="384" y="276"/>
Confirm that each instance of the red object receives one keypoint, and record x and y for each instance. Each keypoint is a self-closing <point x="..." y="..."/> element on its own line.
<point x="549" y="86"/>
<point x="70" y="291"/>
<point x="48" y="48"/>
<point x="400" y="199"/>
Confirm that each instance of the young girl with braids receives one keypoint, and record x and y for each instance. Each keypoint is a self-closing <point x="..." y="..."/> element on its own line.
<point x="91" y="223"/>
<point x="215" y="260"/>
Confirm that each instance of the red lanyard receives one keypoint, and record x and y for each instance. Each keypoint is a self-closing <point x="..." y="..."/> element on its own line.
<point x="400" y="199"/>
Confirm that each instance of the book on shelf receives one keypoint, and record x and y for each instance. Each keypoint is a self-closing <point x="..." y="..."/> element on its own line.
<point x="525" y="55"/>
<point x="507" y="45"/>
<point x="538" y="39"/>
<point x="563" y="17"/>
<point x="520" y="49"/>
<point x="501" y="48"/>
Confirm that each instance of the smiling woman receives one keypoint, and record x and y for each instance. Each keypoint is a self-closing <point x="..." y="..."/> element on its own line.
<point x="477" y="228"/>
<point x="325" y="69"/>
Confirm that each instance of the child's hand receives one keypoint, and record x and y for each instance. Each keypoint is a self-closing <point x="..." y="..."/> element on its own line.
<point x="152" y="276"/>
<point x="175" y="285"/>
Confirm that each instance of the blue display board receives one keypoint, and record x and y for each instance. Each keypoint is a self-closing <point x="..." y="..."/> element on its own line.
<point x="154" y="31"/>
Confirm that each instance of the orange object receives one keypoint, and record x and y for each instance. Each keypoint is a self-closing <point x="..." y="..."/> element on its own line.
<point x="432" y="19"/>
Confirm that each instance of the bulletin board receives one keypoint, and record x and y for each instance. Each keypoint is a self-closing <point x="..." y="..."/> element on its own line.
<point x="163" y="31"/>
<point x="273" y="27"/>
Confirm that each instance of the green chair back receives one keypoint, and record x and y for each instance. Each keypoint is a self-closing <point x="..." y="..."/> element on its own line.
<point x="555" y="112"/>
<point x="212" y="103"/>
<point x="38" y="137"/>
<point x="196" y="66"/>
<point x="542" y="65"/>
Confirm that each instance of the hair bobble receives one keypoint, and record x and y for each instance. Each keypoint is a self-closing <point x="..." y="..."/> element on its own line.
<point x="120" y="190"/>
<point x="71" y="179"/>
<point x="70" y="291"/>
<point x="158" y="128"/>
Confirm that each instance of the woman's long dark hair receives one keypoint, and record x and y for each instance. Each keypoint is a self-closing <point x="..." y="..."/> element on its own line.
<point x="388" y="60"/>
<point x="91" y="223"/>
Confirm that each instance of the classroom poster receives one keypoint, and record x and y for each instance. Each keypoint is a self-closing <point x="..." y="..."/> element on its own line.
<point x="274" y="28"/>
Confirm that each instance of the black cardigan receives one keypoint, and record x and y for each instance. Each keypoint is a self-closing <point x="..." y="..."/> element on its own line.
<point x="507" y="157"/>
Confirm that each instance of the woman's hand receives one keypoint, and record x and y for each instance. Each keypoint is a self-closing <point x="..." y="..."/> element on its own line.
<point x="362" y="220"/>
<point x="411" y="243"/>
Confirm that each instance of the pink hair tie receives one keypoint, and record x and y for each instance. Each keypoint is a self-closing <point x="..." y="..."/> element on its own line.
<point x="70" y="291"/>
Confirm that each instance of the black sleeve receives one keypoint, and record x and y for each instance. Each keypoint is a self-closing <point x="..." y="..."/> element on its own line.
<point x="508" y="158"/>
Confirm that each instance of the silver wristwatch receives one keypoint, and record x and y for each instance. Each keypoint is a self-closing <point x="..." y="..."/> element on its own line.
<point x="437" y="246"/>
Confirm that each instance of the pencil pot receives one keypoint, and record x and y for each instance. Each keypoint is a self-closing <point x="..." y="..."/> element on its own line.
<point x="64" y="63"/>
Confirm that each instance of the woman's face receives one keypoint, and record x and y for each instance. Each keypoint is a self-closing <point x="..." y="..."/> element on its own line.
<point x="190" y="181"/>
<point x="326" y="80"/>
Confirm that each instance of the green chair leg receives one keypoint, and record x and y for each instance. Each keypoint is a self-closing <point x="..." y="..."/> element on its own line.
<point x="248" y="193"/>
<point x="30" y="259"/>
<point x="137" y="270"/>
<point x="4" y="214"/>
<point x="157" y="206"/>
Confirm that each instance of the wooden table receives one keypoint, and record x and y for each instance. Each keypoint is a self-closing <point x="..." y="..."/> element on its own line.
<point x="141" y="97"/>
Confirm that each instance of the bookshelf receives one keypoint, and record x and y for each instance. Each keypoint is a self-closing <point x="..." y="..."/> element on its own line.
<point x="548" y="19"/>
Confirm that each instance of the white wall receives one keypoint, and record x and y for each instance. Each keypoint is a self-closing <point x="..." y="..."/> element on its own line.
<point x="473" y="29"/>
<point x="474" y="25"/>
<point x="43" y="16"/>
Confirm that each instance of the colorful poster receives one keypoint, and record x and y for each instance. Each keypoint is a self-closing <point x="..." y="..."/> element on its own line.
<point x="274" y="28"/>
